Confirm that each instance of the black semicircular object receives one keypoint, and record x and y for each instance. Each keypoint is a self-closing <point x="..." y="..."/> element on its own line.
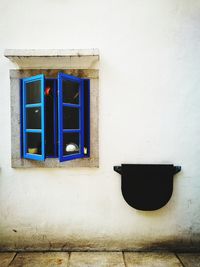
<point x="147" y="186"/>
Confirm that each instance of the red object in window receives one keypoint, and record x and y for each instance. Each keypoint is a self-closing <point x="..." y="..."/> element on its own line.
<point x="47" y="91"/>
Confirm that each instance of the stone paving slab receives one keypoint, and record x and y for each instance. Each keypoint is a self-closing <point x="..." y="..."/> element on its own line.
<point x="6" y="258"/>
<point x="96" y="259"/>
<point x="190" y="259"/>
<point x="43" y="259"/>
<point x="150" y="259"/>
<point x="99" y="259"/>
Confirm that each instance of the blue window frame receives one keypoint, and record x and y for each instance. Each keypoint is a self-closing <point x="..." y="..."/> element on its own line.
<point x="33" y="117"/>
<point x="87" y="117"/>
<point x="71" y="140"/>
<point x="57" y="127"/>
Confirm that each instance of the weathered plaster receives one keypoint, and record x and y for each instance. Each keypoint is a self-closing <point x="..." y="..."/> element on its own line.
<point x="149" y="102"/>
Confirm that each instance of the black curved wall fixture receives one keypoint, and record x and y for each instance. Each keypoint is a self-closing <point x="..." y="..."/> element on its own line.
<point x="147" y="187"/>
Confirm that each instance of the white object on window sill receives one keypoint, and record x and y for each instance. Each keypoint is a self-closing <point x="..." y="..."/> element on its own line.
<point x="72" y="147"/>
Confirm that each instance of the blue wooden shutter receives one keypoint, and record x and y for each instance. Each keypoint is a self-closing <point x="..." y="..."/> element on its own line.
<point x="70" y="117"/>
<point x="33" y="107"/>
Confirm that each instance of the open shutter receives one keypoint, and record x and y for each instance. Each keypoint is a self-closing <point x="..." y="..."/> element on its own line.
<point x="33" y="117"/>
<point x="70" y="117"/>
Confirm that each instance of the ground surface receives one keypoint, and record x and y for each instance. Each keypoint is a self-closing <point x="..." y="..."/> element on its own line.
<point x="99" y="259"/>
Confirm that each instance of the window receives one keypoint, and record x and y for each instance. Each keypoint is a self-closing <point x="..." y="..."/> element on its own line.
<point x="82" y="63"/>
<point x="55" y="117"/>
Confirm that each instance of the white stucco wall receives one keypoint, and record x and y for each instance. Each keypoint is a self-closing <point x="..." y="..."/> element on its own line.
<point x="149" y="113"/>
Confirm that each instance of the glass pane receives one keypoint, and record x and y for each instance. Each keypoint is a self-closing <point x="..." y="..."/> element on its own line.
<point x="70" y="92"/>
<point x="33" y="118"/>
<point x="70" y="143"/>
<point x="33" y="92"/>
<point x="70" y="118"/>
<point x="33" y="143"/>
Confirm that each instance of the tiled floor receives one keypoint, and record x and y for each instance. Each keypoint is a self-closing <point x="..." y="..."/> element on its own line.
<point x="99" y="259"/>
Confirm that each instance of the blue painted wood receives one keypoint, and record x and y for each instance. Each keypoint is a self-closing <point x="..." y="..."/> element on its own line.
<point x="82" y="117"/>
<point x="27" y="155"/>
<point x="61" y="131"/>
<point x="71" y="131"/>
<point x="71" y="105"/>
<point x="88" y="125"/>
<point x="33" y="130"/>
<point x="55" y="115"/>
<point x="33" y="105"/>
<point x="21" y="120"/>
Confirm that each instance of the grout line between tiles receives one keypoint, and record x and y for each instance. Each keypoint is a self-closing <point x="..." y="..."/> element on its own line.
<point x="13" y="259"/>
<point x="179" y="259"/>
<point x="124" y="259"/>
<point x="68" y="263"/>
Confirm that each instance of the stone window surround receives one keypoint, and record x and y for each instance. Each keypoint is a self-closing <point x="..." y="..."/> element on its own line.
<point x="81" y="63"/>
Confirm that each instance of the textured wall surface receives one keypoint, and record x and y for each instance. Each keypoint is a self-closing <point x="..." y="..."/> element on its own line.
<point x="149" y="101"/>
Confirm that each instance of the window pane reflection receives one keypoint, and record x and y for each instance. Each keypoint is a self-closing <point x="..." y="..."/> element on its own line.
<point x="70" y="92"/>
<point x="70" y="118"/>
<point x="33" y="92"/>
<point x="33" y="118"/>
<point x="33" y="143"/>
<point x="71" y="143"/>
